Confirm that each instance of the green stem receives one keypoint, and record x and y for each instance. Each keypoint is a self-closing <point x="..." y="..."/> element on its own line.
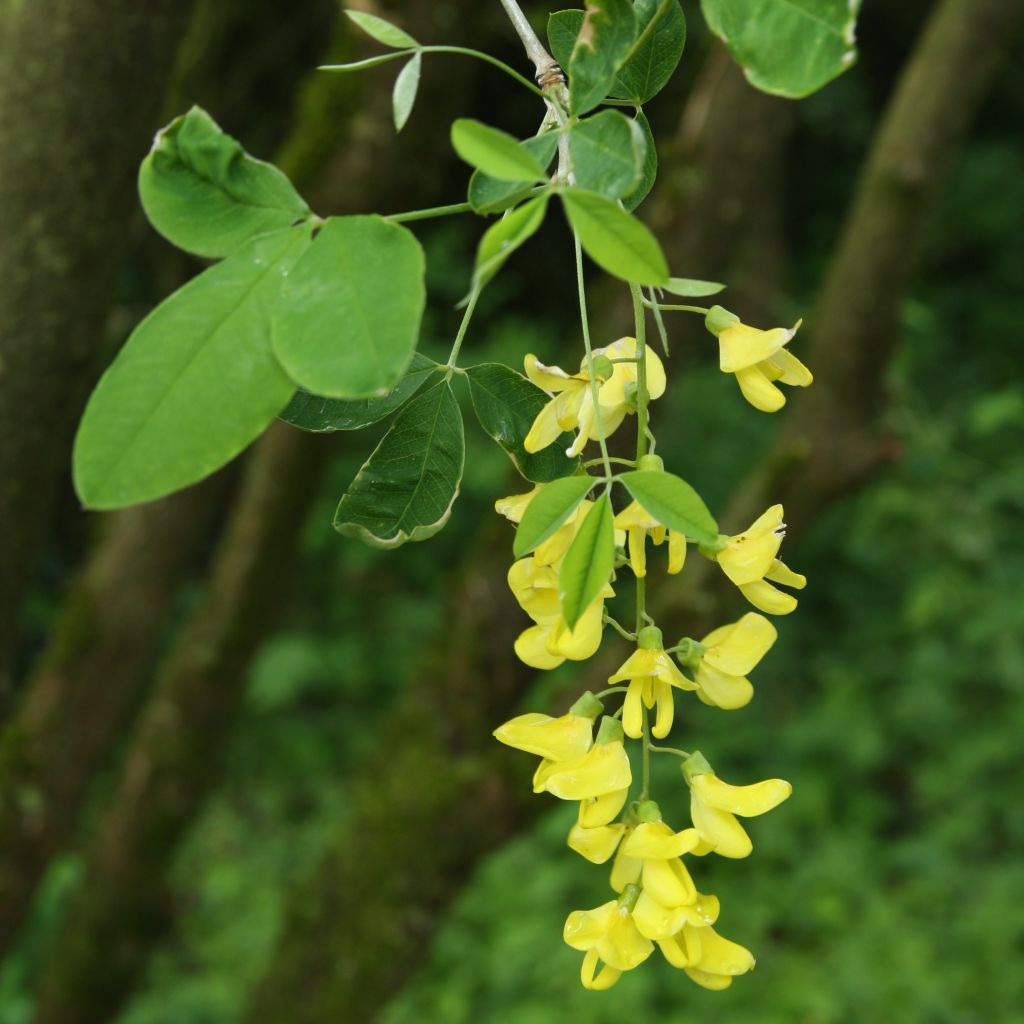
<point x="652" y="305"/>
<point x="511" y="72"/>
<point x="670" y="750"/>
<point x="463" y="327"/>
<point x="430" y="211"/>
<point x="672" y="308"/>
<point x="620" y="629"/>
<point x="611" y="458"/>
<point x="594" y="389"/>
<point x="610" y="691"/>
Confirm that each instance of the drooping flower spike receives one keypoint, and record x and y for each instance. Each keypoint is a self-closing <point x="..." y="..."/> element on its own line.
<point x="758" y="358"/>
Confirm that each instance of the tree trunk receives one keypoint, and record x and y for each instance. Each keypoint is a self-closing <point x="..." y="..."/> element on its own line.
<point x="67" y="159"/>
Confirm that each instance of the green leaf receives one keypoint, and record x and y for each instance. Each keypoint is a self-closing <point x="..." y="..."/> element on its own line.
<point x="548" y="509"/>
<point x="383" y="31"/>
<point x="506" y="235"/>
<point x="319" y="414"/>
<point x="406" y="489"/>
<point x="351" y="308"/>
<point x="495" y="152"/>
<point x="205" y="194"/>
<point x="692" y="289"/>
<point x="195" y="383"/>
<point x="615" y="240"/>
<point x="673" y="502"/>
<point x="492" y="195"/>
<point x="404" y="95"/>
<point x="790" y="47"/>
<point x="656" y="52"/>
<point x="606" y="33"/>
<point x="608" y="152"/>
<point x="506" y="404"/>
<point x="588" y="563"/>
<point x="650" y="168"/>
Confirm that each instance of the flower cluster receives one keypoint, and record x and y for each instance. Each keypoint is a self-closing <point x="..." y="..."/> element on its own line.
<point x="583" y="753"/>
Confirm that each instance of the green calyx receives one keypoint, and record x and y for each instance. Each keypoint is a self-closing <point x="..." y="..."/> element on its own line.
<point x="695" y="764"/>
<point x="629" y="392"/>
<point x="610" y="730"/>
<point x="650" y="639"/>
<point x="712" y="549"/>
<point x="603" y="367"/>
<point x="719" y="319"/>
<point x="689" y="652"/>
<point x="648" y="812"/>
<point x="588" y="706"/>
<point x="651" y="462"/>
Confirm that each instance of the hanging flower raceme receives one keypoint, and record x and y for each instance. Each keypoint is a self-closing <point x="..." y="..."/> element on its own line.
<point x="572" y="403"/>
<point x="714" y="805"/>
<point x="757" y="358"/>
<point x="720" y="662"/>
<point x="749" y="560"/>
<point x="651" y="674"/>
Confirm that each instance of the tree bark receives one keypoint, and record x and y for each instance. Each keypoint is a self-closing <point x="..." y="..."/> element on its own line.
<point x="359" y="927"/>
<point x="173" y="755"/>
<point x="67" y="158"/>
<point x="89" y="681"/>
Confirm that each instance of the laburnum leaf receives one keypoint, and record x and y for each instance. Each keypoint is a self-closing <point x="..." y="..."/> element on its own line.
<point x="608" y="152"/>
<point x="506" y="404"/>
<point x="791" y="49"/>
<point x="320" y="415"/>
<point x="406" y="489"/>
<point x="649" y="172"/>
<point x="495" y="152"/>
<point x="691" y="288"/>
<point x="673" y="502"/>
<point x="506" y="235"/>
<point x="350" y="313"/>
<point x="404" y="95"/>
<point x="655" y="53"/>
<point x="614" y="239"/>
<point x="195" y="383"/>
<point x="606" y="33"/>
<point x="548" y="509"/>
<point x="204" y="193"/>
<point x="492" y="195"/>
<point x="383" y="31"/>
<point x="587" y="566"/>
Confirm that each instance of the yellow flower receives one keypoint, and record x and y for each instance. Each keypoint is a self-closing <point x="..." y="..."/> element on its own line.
<point x="748" y="559"/>
<point x="593" y="836"/>
<point x="608" y="936"/>
<point x="709" y="959"/>
<point x="723" y="658"/>
<point x="638" y="523"/>
<point x="558" y="739"/>
<point x="757" y="358"/>
<point x="651" y="674"/>
<point x="550" y="642"/>
<point x="572" y="406"/>
<point x="601" y="770"/>
<point x="714" y="805"/>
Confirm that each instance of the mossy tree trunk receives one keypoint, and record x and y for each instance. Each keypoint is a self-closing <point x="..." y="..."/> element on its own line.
<point x="81" y="90"/>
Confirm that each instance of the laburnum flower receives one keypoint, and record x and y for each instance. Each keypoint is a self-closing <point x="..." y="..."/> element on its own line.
<point x="550" y="641"/>
<point x="714" y="805"/>
<point x="651" y="674"/>
<point x="710" y="959"/>
<point x="558" y="739"/>
<point x="721" y="661"/>
<point x="609" y="937"/>
<point x="758" y="358"/>
<point x="602" y="770"/>
<point x="596" y="834"/>
<point x="749" y="560"/>
<point x="572" y="404"/>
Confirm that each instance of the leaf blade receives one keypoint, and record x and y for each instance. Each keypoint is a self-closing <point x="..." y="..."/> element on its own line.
<point x="382" y="31"/>
<point x="587" y="566"/>
<point x="406" y="86"/>
<point x="506" y="235"/>
<point x="367" y="274"/>
<point x="495" y="152"/>
<point x="673" y="502"/>
<point x="491" y="195"/>
<point x="156" y="421"/>
<point x="608" y="152"/>
<point x="548" y="509"/>
<point x="690" y="288"/>
<point x="406" y="489"/>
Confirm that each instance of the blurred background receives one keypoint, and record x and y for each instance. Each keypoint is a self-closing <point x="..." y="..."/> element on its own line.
<point x="246" y="772"/>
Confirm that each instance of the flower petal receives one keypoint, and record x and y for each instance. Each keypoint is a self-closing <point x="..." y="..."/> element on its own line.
<point x="719" y="828"/>
<point x="584" y="929"/>
<point x="669" y="882"/>
<point x="531" y="649"/>
<point x="596" y="844"/>
<point x="749" y="801"/>
<point x="603" y="769"/>
<point x="758" y="390"/>
<point x="601" y="810"/>
<point x="558" y="739"/>
<point x="741" y="346"/>
<point x="721" y="690"/>
<point x="737" y="648"/>
<point x="656" y="841"/>
<point x="763" y="596"/>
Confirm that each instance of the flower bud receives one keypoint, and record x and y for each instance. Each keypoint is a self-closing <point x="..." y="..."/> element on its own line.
<point x="603" y="367"/>
<point x="653" y="462"/>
